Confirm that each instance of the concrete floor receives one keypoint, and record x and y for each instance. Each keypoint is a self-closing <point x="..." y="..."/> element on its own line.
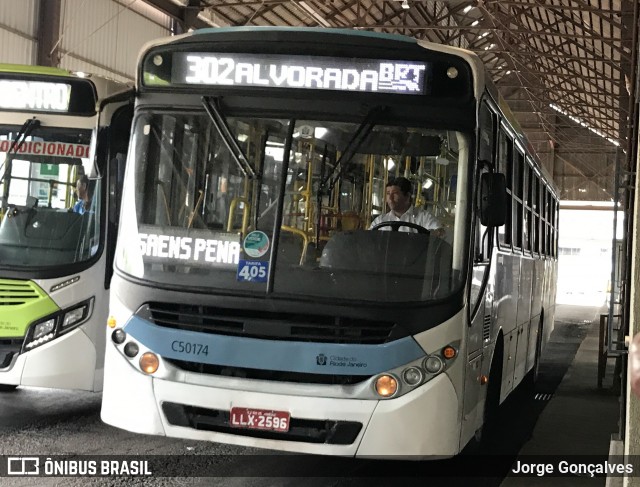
<point x="579" y="420"/>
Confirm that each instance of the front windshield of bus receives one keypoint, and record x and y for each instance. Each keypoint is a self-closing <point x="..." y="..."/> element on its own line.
<point x="192" y="218"/>
<point x="48" y="219"/>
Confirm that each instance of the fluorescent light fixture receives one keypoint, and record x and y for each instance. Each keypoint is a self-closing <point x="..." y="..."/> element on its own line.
<point x="578" y="121"/>
<point x="467" y="9"/>
<point x="427" y="184"/>
<point x="319" y="132"/>
<point x="474" y="23"/>
<point x="405" y="4"/>
<point x="483" y="35"/>
<point x="316" y="16"/>
<point x="242" y="137"/>
<point x="275" y="152"/>
<point x="389" y="163"/>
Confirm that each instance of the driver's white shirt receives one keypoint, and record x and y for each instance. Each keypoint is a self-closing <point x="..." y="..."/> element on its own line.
<point x="414" y="215"/>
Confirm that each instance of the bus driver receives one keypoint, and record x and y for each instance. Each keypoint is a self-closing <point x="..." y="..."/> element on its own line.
<point x="398" y="197"/>
<point x="84" y="200"/>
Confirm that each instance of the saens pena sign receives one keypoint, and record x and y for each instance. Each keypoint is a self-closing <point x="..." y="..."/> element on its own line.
<point x="204" y="248"/>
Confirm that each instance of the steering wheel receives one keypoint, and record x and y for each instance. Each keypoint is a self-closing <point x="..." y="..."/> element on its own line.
<point x="396" y="225"/>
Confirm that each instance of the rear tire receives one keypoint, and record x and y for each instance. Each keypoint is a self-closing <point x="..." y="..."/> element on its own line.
<point x="531" y="379"/>
<point x="7" y="387"/>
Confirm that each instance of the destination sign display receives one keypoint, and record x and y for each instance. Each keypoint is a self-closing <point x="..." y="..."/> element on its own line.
<point x="301" y="72"/>
<point x="34" y="95"/>
<point x="188" y="247"/>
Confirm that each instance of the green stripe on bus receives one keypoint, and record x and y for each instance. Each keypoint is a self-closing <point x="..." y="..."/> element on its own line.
<point x="26" y="69"/>
<point x="22" y="302"/>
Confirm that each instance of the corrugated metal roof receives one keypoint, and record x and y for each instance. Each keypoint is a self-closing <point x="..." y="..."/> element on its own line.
<point x="562" y="65"/>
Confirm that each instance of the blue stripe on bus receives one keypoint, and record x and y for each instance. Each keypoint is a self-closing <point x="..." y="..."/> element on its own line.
<point x="254" y="353"/>
<point x="274" y="28"/>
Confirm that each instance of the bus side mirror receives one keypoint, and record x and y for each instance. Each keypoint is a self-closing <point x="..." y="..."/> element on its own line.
<point x="493" y="199"/>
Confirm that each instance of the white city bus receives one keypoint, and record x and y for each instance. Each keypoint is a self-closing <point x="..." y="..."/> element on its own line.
<point x="55" y="262"/>
<point x="252" y="304"/>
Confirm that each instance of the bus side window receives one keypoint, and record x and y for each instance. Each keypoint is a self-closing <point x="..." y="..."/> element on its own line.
<point x="486" y="133"/>
<point x="518" y="176"/>
<point x="486" y="146"/>
<point x="505" y="166"/>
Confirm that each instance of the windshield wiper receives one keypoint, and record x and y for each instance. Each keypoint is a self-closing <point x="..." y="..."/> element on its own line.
<point x="359" y="136"/>
<point x="27" y="127"/>
<point x="227" y="137"/>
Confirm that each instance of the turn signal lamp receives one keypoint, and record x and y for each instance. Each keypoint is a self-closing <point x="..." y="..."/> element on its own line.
<point x="149" y="362"/>
<point x="111" y="322"/>
<point x="386" y="385"/>
<point x="449" y="352"/>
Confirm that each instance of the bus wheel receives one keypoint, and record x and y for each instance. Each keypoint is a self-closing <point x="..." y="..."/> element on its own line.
<point x="531" y="379"/>
<point x="487" y="431"/>
<point x="7" y="387"/>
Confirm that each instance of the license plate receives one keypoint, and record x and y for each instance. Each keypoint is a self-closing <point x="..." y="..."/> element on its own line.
<point x="259" y="419"/>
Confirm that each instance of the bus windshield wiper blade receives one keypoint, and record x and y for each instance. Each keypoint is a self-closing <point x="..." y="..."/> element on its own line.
<point x="23" y="133"/>
<point x="359" y="136"/>
<point x="27" y="127"/>
<point x="223" y="129"/>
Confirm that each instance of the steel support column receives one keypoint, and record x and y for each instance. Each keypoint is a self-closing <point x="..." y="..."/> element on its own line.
<point x="48" y="35"/>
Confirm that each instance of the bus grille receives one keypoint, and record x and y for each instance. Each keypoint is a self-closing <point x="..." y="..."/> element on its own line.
<point x="270" y="325"/>
<point x="302" y="430"/>
<point x="14" y="293"/>
<point x="270" y="375"/>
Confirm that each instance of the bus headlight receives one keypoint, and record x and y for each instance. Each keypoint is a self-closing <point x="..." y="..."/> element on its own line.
<point x="56" y="324"/>
<point x="386" y="385"/>
<point x="42" y="329"/>
<point x="412" y="376"/>
<point x="119" y="336"/>
<point x="131" y="350"/>
<point x="74" y="316"/>
<point x="433" y="364"/>
<point x="41" y="334"/>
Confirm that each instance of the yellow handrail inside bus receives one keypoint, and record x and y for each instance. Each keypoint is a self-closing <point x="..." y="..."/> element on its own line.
<point x="245" y="213"/>
<point x="305" y="240"/>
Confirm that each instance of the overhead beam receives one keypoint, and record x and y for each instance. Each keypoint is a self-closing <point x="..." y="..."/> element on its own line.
<point x="187" y="16"/>
<point x="48" y="35"/>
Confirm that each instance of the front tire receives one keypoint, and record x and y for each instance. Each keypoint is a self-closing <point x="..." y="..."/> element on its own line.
<point x="487" y="431"/>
